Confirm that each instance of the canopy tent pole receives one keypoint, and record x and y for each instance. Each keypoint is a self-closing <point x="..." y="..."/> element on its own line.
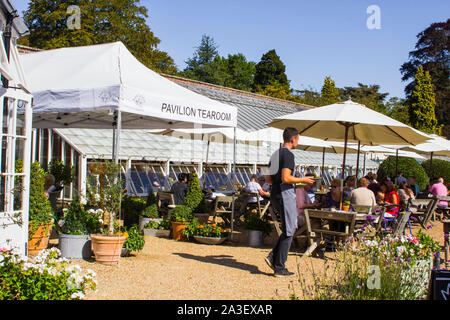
<point x="234" y="184"/>
<point x="206" y="162"/>
<point x="357" y="161"/>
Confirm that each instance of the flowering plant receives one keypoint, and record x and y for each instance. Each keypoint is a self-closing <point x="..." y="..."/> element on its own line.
<point x="46" y="277"/>
<point x="195" y="228"/>
<point x="134" y="239"/>
<point x="163" y="225"/>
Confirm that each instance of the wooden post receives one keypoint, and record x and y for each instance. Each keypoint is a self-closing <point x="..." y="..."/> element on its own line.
<point x="343" y="166"/>
<point x="357" y="162"/>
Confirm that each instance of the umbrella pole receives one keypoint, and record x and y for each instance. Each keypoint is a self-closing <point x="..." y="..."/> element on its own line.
<point x="396" y="166"/>
<point x="323" y="165"/>
<point x="343" y="167"/>
<point x="364" y="165"/>
<point x="431" y="165"/>
<point x="357" y="161"/>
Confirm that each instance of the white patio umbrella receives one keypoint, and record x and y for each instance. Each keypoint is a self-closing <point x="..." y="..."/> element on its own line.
<point x="349" y="121"/>
<point x="436" y="146"/>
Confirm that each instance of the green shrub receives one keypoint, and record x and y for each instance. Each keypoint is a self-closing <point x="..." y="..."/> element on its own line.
<point x="135" y="240"/>
<point x="441" y="168"/>
<point x="40" y="211"/>
<point x="46" y="277"/>
<point x="78" y="221"/>
<point x="408" y="166"/>
<point x="151" y="212"/>
<point x="254" y="222"/>
<point x="132" y="208"/>
<point x="63" y="173"/>
<point x="195" y="199"/>
<point x="151" y="199"/>
<point x="181" y="213"/>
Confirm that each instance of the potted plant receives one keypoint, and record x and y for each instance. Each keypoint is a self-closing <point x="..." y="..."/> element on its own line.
<point x="149" y="214"/>
<point x="209" y="233"/>
<point x="107" y="246"/>
<point x="158" y="228"/>
<point x="195" y="199"/>
<point x="257" y="228"/>
<point x="77" y="225"/>
<point x="180" y="216"/>
<point x="135" y="241"/>
<point x="131" y="208"/>
<point x="40" y="212"/>
<point x="346" y="205"/>
<point x="63" y="174"/>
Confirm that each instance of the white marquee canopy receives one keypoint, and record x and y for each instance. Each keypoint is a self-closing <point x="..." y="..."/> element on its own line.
<point x="81" y="87"/>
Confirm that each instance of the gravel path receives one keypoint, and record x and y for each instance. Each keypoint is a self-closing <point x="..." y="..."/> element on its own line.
<point x="169" y="269"/>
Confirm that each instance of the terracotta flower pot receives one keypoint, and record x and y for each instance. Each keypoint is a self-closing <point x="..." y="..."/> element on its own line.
<point x="39" y="240"/>
<point x="177" y="230"/>
<point x="107" y="249"/>
<point x="345" y="208"/>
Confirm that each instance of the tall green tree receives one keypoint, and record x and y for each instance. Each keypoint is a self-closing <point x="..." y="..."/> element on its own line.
<point x="367" y="95"/>
<point x="432" y="52"/>
<point x="240" y="72"/>
<point x="101" y="21"/>
<point x="422" y="103"/>
<point x="398" y="109"/>
<point x="329" y="93"/>
<point x="271" y="71"/>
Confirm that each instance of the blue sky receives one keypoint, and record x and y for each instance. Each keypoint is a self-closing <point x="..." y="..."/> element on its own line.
<point x="314" y="39"/>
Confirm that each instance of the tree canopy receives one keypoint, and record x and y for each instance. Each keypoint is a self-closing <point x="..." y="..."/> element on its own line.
<point x="271" y="71"/>
<point x="432" y="53"/>
<point x="329" y="93"/>
<point x="101" y="21"/>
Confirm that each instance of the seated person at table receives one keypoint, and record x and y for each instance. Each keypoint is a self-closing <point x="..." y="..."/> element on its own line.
<point x="362" y="196"/>
<point x="253" y="186"/>
<point x="349" y="185"/>
<point x="179" y="189"/>
<point x="264" y="185"/>
<point x="413" y="185"/>
<point x="438" y="189"/>
<point x="333" y="197"/>
<point x="371" y="177"/>
<point x="303" y="200"/>
<point x="405" y="193"/>
<point x="390" y="197"/>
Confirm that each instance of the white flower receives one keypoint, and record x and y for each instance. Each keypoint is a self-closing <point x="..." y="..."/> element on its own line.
<point x="400" y="250"/>
<point x="99" y="211"/>
<point x="91" y="211"/>
<point x="77" y="295"/>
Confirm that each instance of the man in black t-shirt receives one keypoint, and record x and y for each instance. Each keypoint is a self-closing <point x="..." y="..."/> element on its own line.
<point x="283" y="199"/>
<point x="179" y="189"/>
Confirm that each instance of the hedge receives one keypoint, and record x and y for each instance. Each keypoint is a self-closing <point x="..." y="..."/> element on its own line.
<point x="408" y="166"/>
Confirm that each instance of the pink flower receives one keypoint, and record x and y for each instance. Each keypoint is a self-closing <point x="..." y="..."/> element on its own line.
<point x="414" y="240"/>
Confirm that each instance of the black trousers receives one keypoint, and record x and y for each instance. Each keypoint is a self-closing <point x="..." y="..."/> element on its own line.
<point x="280" y="252"/>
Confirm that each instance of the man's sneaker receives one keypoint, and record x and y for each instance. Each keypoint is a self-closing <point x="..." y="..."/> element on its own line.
<point x="283" y="273"/>
<point x="269" y="263"/>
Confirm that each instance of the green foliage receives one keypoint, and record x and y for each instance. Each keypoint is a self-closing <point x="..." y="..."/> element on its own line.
<point x="254" y="222"/>
<point x="135" y="240"/>
<point x="40" y="211"/>
<point x="63" y="173"/>
<point x="102" y="21"/>
<point x="270" y="70"/>
<point x="329" y="93"/>
<point x="46" y="278"/>
<point x="78" y="221"/>
<point x="181" y="213"/>
<point x="431" y="52"/>
<point x="132" y="207"/>
<point x="162" y="225"/>
<point x="195" y="199"/>
<point x="422" y="104"/>
<point x="398" y="109"/>
<point x="151" y="211"/>
<point x="105" y="190"/>
<point x="151" y="198"/>
<point x="367" y="95"/>
<point x="408" y="166"/>
<point x="441" y="168"/>
<point x="205" y="230"/>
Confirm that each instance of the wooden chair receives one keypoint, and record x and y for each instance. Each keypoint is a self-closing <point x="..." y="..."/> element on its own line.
<point x="223" y="208"/>
<point x="316" y="235"/>
<point x="443" y="212"/>
<point x="165" y="202"/>
<point x="422" y="215"/>
<point x="399" y="224"/>
<point x="244" y="197"/>
<point x="362" y="209"/>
